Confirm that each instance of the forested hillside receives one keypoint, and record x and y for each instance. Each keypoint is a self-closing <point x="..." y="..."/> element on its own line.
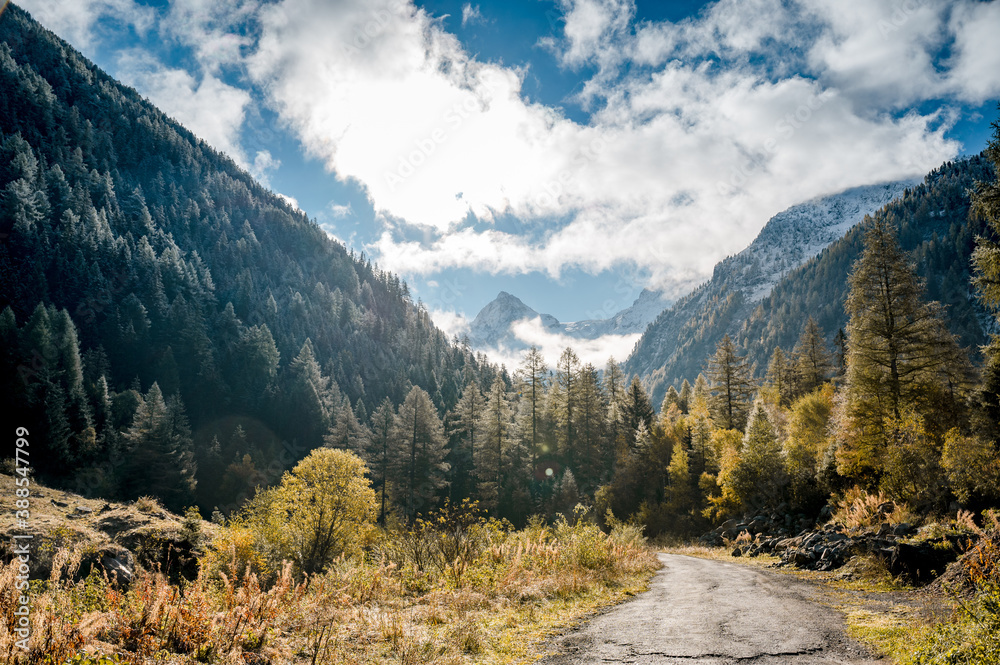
<point x="165" y="319"/>
<point x="934" y="227"/>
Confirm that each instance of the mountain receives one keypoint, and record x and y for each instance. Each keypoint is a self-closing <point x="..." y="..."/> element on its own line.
<point x="493" y="326"/>
<point x="161" y="311"/>
<point x="787" y="240"/>
<point x="763" y="296"/>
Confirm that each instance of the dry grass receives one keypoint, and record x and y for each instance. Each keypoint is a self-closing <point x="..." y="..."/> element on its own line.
<point x="858" y="510"/>
<point x="515" y="588"/>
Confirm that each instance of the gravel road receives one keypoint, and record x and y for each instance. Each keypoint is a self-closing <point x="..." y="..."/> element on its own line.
<point x="709" y="612"/>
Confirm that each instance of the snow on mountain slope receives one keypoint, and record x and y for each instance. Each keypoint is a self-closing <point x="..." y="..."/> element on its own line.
<point x="788" y="240"/>
<point x="495" y="327"/>
<point x="681" y="337"/>
<point x="799" y="233"/>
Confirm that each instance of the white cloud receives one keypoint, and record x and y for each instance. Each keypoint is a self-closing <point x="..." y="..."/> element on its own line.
<point x="977" y="58"/>
<point x="75" y="21"/>
<point x="683" y="160"/>
<point x="551" y="345"/>
<point x="701" y="129"/>
<point x="339" y="210"/>
<point x="471" y="15"/>
<point x="452" y="323"/>
<point x="212" y="109"/>
<point x="295" y="204"/>
<point x="263" y="164"/>
<point x="211" y="29"/>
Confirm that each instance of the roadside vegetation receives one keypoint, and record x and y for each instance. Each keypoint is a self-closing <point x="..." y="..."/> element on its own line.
<point x="291" y="581"/>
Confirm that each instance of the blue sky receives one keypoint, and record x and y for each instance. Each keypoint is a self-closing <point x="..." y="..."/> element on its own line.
<point x="570" y="152"/>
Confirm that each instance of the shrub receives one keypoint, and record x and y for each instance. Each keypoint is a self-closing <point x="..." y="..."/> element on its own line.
<point x="859" y="509"/>
<point x="323" y="509"/>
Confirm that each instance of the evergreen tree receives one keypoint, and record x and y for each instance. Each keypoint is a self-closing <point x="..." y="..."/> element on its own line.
<point x="308" y="397"/>
<point x="732" y="386"/>
<point x="986" y="260"/>
<point x="419" y="450"/>
<point x="636" y="410"/>
<point x="496" y="445"/>
<point x="564" y="397"/>
<point x="378" y="452"/>
<point x="901" y="358"/>
<point x="346" y="433"/>
<point x="780" y="377"/>
<point x="466" y="433"/>
<point x="159" y="457"/>
<point x="758" y="477"/>
<point x="532" y="385"/>
<point x="685" y="396"/>
<point x="812" y="360"/>
<point x="671" y="398"/>
<point x="699" y="423"/>
<point x="593" y="453"/>
<point x="614" y="388"/>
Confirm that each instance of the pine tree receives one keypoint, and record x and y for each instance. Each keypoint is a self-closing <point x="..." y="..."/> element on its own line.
<point x="466" y="432"/>
<point x="699" y="422"/>
<point x="495" y="444"/>
<point x="614" y="387"/>
<point x="671" y="398"/>
<point x="419" y="450"/>
<point x="986" y="260"/>
<point x="780" y="377"/>
<point x="532" y="385"/>
<point x="346" y="433"/>
<point x="679" y="491"/>
<point x="901" y="358"/>
<point x="593" y="452"/>
<point x="636" y="411"/>
<point x="378" y="452"/>
<point x="812" y="359"/>
<point x="732" y="386"/>
<point x="308" y="398"/>
<point x="685" y="396"/>
<point x="564" y="396"/>
<point x="160" y="461"/>
<point x="758" y="478"/>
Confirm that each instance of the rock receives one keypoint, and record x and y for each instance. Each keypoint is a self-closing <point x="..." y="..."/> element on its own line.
<point x="903" y="529"/>
<point x="887" y="508"/>
<point x="113" y="560"/>
<point x="59" y="504"/>
<point x="84" y="510"/>
<point x="921" y="563"/>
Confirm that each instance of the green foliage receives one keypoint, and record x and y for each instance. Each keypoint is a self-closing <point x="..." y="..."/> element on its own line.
<point x="902" y="365"/>
<point x="757" y="477"/>
<point x="732" y="386"/>
<point x="972" y="466"/>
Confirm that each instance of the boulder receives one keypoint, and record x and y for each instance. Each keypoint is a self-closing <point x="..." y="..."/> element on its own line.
<point x="113" y="560"/>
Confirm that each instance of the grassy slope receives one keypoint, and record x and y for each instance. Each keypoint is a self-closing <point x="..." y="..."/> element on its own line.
<point x="522" y="588"/>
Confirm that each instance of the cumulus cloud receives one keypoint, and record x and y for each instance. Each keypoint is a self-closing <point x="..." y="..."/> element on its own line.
<point x="452" y="323"/>
<point x="75" y="21"/>
<point x="263" y="164"/>
<point x="532" y="332"/>
<point x="211" y="108"/>
<point x="216" y="31"/>
<point x="701" y="129"/>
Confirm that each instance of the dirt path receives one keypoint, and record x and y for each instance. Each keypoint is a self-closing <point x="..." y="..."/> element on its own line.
<point x="701" y="611"/>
